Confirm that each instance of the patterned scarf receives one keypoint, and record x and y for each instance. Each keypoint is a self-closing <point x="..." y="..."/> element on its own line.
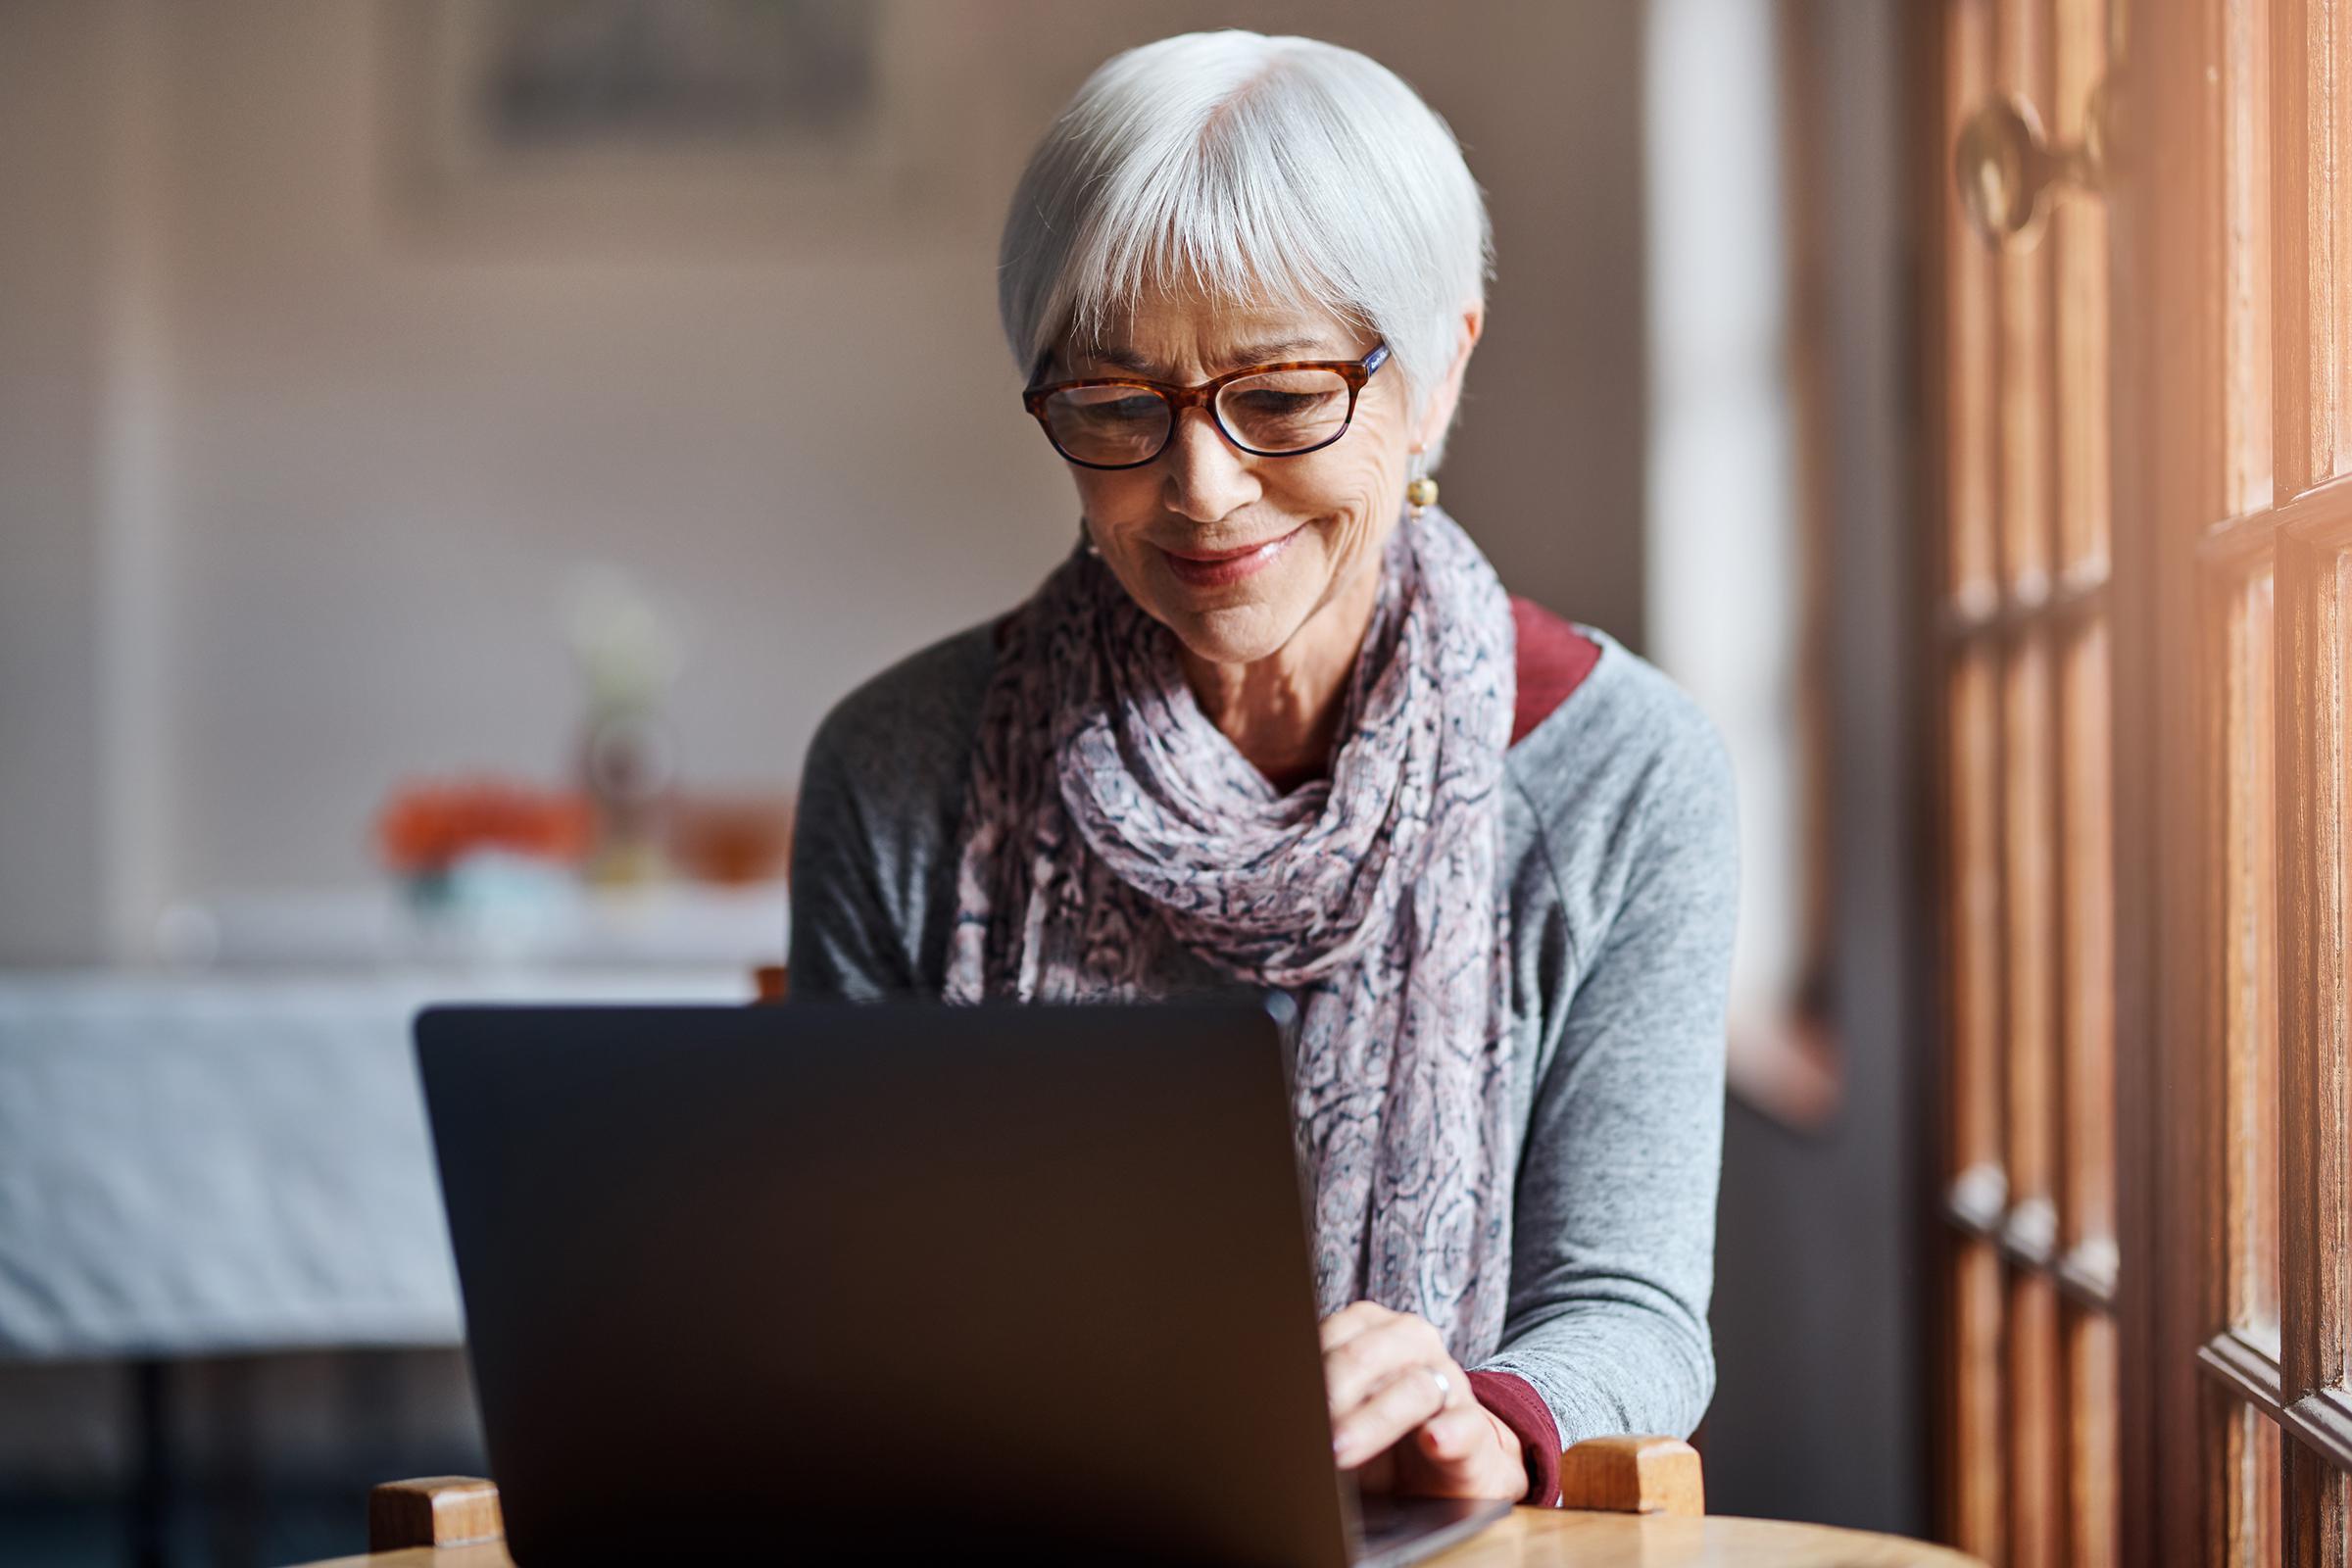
<point x="1107" y="818"/>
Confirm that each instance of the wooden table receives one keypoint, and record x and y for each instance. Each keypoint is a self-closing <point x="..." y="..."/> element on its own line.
<point x="1531" y="1538"/>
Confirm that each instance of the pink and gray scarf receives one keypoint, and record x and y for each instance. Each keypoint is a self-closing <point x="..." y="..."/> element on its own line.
<point x="1109" y="817"/>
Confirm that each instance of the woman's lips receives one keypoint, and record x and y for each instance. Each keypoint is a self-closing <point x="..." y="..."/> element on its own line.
<point x="1199" y="570"/>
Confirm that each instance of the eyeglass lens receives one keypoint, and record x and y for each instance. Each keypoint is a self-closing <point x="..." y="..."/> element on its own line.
<point x="1278" y="411"/>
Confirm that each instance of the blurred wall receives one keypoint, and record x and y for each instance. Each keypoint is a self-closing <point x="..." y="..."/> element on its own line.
<point x="1820" y="1409"/>
<point x="55" y="170"/>
<point x="288" y="486"/>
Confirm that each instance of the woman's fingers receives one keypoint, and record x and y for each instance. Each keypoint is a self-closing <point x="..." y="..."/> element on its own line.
<point x="1400" y="1407"/>
<point x="1464" y="1453"/>
<point x="1409" y="1398"/>
<point x="1373" y="1349"/>
<point x="1455" y="1434"/>
<point x="1351" y="1320"/>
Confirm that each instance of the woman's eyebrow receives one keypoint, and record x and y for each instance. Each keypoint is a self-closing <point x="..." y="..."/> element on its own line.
<point x="1120" y="359"/>
<point x="1287" y="348"/>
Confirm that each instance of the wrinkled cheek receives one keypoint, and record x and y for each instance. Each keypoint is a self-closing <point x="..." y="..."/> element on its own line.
<point x="1110" y="502"/>
<point x="1106" y="517"/>
<point x="1367" y="531"/>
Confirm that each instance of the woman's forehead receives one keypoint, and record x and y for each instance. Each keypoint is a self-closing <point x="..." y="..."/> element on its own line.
<point x="1165" y="333"/>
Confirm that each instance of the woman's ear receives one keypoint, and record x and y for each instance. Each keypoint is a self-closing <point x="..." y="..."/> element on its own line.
<point x="1446" y="393"/>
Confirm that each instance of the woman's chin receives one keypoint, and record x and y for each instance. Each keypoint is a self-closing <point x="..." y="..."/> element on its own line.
<point x="1238" y="624"/>
<point x="1233" y="634"/>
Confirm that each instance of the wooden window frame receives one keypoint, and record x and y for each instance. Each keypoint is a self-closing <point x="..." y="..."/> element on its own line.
<point x="2226" y="602"/>
<point x="2022" y="644"/>
<point x="2234" y="367"/>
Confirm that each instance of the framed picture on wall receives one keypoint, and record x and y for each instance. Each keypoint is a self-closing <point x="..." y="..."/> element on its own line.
<point x="601" y="124"/>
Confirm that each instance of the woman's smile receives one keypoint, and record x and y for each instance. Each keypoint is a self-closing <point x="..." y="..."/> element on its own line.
<point x="1200" y="568"/>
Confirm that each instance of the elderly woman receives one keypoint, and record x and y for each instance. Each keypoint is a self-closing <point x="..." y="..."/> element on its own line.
<point x="1275" y="721"/>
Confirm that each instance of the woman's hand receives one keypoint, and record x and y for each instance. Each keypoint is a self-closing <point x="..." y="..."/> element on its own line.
<point x="1383" y="1370"/>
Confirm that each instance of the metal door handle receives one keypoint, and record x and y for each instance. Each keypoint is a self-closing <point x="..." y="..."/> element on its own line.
<point x="2008" y="173"/>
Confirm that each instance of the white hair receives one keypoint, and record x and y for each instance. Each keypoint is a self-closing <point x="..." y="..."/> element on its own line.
<point x="1250" y="168"/>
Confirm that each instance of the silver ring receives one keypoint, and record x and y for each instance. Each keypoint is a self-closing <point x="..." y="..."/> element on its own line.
<point x="1445" y="1386"/>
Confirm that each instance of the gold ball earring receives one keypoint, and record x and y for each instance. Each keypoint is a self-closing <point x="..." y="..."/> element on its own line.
<point x="1420" y="491"/>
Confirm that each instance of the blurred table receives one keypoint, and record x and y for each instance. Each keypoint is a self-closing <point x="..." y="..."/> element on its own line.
<point x="235" y="1164"/>
<point x="228" y="1163"/>
<point x="1527" y="1537"/>
<point x="540" y="920"/>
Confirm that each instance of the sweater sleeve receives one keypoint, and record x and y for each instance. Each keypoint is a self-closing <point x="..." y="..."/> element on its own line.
<point x="846" y="943"/>
<point x="881" y="793"/>
<point x="1614" y="1213"/>
<point x="1514" y="1401"/>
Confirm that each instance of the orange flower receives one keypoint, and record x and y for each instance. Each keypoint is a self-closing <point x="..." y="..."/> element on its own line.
<point x="424" y="828"/>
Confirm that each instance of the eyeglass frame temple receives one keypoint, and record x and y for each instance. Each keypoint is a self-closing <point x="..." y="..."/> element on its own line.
<point x="1355" y="373"/>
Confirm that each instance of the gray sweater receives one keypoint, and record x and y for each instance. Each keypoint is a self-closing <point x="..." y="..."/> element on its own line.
<point x="1620" y="860"/>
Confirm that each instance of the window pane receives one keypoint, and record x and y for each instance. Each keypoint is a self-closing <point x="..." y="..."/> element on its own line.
<point x="2262" y="1535"/>
<point x="2330" y="60"/>
<point x="2087" y="951"/>
<point x="1968" y="388"/>
<point x="2036" y="1515"/>
<point x="2028" y="917"/>
<point x="2313" y="1497"/>
<point x="2079" y="244"/>
<point x="2086" y="1047"/>
<point x="2249" y="962"/>
<point x="1977" y="1489"/>
<point x="2312" y="629"/>
<point x="2029" y="908"/>
<point x="2311" y="243"/>
<point x="2027" y="429"/>
<point x="2246" y="197"/>
<point x="2245" y="1517"/>
<point x="1974" y="744"/>
<point x="2092" y="1453"/>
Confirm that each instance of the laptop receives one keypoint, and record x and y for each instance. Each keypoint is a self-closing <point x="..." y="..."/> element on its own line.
<point x="907" y="1283"/>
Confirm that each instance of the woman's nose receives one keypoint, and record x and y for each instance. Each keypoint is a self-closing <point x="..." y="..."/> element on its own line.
<point x="1208" y="477"/>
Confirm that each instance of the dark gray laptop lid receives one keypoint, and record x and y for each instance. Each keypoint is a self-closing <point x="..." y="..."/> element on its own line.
<point x="813" y="1280"/>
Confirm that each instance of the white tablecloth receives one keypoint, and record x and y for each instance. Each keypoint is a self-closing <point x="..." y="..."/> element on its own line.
<point x="226" y="1163"/>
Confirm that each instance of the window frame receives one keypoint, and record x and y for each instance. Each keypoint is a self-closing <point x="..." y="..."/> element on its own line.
<point x="2226" y="606"/>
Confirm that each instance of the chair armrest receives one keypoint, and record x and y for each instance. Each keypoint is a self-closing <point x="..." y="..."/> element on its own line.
<point x="433" y="1511"/>
<point x="1633" y="1475"/>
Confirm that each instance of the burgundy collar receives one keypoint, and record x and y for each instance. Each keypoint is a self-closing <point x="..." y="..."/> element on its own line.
<point x="1554" y="658"/>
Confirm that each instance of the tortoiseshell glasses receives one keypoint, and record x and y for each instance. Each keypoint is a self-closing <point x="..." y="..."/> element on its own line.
<point x="1269" y="411"/>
